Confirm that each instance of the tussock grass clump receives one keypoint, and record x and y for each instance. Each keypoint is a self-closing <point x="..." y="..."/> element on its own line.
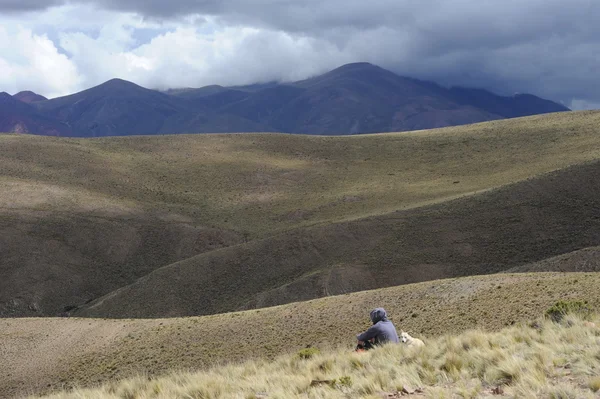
<point x="552" y="360"/>
<point x="594" y="384"/>
<point x="307" y="353"/>
<point x="561" y="308"/>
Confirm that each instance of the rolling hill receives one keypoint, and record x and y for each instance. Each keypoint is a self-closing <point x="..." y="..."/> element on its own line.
<point x="354" y="98"/>
<point x="586" y="259"/>
<point x="481" y="234"/>
<point x="85" y="224"/>
<point x="83" y="352"/>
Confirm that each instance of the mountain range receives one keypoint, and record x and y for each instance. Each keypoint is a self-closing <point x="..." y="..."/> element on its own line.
<point x="352" y="99"/>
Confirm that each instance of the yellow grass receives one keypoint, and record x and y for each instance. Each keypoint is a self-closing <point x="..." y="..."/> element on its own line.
<point x="521" y="360"/>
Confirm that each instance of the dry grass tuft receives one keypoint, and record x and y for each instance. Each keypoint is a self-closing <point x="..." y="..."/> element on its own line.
<point x="594" y="384"/>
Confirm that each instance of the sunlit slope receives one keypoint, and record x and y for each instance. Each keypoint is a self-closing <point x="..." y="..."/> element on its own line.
<point x="44" y="354"/>
<point x="259" y="184"/>
<point x="82" y="218"/>
<point x="495" y="231"/>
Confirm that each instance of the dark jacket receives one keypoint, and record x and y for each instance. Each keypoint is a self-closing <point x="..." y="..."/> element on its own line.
<point x="382" y="329"/>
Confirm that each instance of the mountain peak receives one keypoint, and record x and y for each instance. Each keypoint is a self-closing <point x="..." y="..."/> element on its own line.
<point x="357" y="66"/>
<point x="6" y="98"/>
<point x="121" y="88"/>
<point x="118" y="83"/>
<point x="364" y="71"/>
<point x="29" y="97"/>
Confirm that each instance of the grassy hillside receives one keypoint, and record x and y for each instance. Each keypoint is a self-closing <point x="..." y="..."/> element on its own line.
<point x="541" y="360"/>
<point x="260" y="184"/>
<point x="491" y="232"/>
<point x="86" y="351"/>
<point x="86" y="217"/>
<point x="583" y="260"/>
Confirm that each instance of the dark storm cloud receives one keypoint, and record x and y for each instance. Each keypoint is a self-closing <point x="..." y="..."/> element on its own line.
<point x="433" y="24"/>
<point x="9" y="6"/>
<point x="310" y="15"/>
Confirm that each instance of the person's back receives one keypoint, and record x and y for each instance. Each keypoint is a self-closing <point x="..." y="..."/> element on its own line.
<point x="382" y="329"/>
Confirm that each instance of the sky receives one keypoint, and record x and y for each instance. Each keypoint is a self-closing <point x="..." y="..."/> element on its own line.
<point x="545" y="47"/>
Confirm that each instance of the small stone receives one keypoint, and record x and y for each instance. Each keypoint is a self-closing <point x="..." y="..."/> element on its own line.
<point x="407" y="390"/>
<point x="498" y="391"/>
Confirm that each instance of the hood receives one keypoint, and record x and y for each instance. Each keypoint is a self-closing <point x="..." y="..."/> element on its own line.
<point x="378" y="315"/>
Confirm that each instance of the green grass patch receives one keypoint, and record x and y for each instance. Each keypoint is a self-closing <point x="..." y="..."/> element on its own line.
<point x="563" y="308"/>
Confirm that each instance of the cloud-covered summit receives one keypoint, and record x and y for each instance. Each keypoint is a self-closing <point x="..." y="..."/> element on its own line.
<point x="547" y="47"/>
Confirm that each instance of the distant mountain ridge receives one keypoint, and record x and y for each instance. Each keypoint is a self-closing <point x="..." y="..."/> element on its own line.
<point x="352" y="99"/>
<point x="17" y="116"/>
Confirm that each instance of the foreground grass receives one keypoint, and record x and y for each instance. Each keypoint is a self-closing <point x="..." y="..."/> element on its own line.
<point x="87" y="352"/>
<point x="536" y="360"/>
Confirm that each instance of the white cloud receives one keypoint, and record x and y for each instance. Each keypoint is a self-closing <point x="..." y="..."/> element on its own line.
<point x="580" y="105"/>
<point x="32" y="61"/>
<point x="187" y="57"/>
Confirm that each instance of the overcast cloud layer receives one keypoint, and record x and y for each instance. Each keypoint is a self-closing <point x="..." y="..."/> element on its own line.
<point x="547" y="47"/>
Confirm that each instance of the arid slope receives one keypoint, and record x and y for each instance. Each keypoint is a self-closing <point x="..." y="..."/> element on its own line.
<point x="80" y="219"/>
<point x="583" y="260"/>
<point x="486" y="233"/>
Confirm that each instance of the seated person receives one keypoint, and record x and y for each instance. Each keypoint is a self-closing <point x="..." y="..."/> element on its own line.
<point x="381" y="332"/>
